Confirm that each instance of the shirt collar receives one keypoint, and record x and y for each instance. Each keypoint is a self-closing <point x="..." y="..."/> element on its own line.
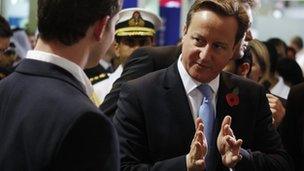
<point x="104" y="64"/>
<point x="66" y="64"/>
<point x="190" y="84"/>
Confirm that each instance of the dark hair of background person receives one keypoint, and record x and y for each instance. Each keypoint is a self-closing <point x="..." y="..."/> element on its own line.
<point x="247" y="58"/>
<point x="280" y="46"/>
<point x="68" y="20"/>
<point x="224" y="8"/>
<point x="297" y="40"/>
<point x="291" y="52"/>
<point x="290" y="71"/>
<point x="273" y="57"/>
<point x="5" y="30"/>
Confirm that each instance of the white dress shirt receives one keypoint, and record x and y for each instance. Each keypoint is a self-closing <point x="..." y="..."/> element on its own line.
<point x="194" y="95"/>
<point x="280" y="89"/>
<point x="70" y="66"/>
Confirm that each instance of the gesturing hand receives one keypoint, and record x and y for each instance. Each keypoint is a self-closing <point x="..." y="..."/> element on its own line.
<point x="198" y="149"/>
<point x="277" y="109"/>
<point x="227" y="144"/>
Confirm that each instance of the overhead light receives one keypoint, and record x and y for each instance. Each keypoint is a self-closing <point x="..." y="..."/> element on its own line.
<point x="14" y="2"/>
<point x="278" y="14"/>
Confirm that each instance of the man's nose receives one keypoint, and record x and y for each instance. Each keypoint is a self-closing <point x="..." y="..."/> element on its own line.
<point x="205" y="52"/>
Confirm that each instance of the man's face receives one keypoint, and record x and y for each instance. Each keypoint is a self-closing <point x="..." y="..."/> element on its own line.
<point x="239" y="51"/>
<point x="208" y="44"/>
<point x="127" y="44"/>
<point x="6" y="59"/>
<point x="4" y="44"/>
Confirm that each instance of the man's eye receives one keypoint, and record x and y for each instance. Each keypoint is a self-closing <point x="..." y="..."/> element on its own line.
<point x="218" y="46"/>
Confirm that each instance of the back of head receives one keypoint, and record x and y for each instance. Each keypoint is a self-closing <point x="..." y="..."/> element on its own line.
<point x="260" y="50"/>
<point x="297" y="43"/>
<point x="5" y="30"/>
<point x="280" y="46"/>
<point x="67" y="21"/>
<point x="290" y="71"/>
<point x="273" y="57"/>
<point x="224" y="8"/>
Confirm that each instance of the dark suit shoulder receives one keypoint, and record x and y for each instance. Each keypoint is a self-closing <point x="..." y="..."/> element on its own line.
<point x="161" y="57"/>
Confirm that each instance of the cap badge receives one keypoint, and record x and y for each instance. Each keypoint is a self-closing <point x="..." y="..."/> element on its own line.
<point x="136" y="20"/>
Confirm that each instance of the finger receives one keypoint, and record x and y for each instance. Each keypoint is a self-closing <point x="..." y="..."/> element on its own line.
<point x="270" y="96"/>
<point x="194" y="138"/>
<point x="200" y="164"/>
<point x="226" y="121"/>
<point x="198" y="120"/>
<point x="200" y="137"/>
<point x="228" y="130"/>
<point x="272" y="105"/>
<point x="231" y="141"/>
<point x="273" y="111"/>
<point x="200" y="127"/>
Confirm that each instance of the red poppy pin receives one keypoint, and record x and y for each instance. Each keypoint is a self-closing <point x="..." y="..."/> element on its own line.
<point x="233" y="98"/>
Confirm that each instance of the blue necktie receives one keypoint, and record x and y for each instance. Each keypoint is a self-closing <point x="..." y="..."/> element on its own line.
<point x="206" y="113"/>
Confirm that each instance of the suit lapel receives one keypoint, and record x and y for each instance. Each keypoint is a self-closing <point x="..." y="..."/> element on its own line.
<point x="223" y="108"/>
<point x="177" y="100"/>
<point x="44" y="69"/>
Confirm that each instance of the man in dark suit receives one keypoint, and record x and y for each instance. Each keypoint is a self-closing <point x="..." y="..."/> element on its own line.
<point x="156" y="113"/>
<point x="48" y="119"/>
<point x="292" y="127"/>
<point x="145" y="60"/>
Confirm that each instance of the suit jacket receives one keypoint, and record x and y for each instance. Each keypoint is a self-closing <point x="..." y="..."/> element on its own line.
<point x="47" y="122"/>
<point x="142" y="61"/>
<point x="292" y="127"/>
<point x="156" y="127"/>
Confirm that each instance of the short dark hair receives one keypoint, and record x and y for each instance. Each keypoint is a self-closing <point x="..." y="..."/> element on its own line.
<point x="224" y="8"/>
<point x="246" y="58"/>
<point x="5" y="30"/>
<point x="68" y="20"/>
<point x="298" y="41"/>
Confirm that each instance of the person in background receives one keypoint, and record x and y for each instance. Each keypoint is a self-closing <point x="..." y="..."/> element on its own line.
<point x="291" y="53"/>
<point x="135" y="28"/>
<point x="280" y="46"/>
<point x="290" y="71"/>
<point x="275" y="83"/>
<point x="5" y="47"/>
<point x="22" y="43"/>
<point x="297" y="43"/>
<point x="292" y="127"/>
<point x="241" y="66"/>
<point x="48" y="114"/>
<point x="160" y="115"/>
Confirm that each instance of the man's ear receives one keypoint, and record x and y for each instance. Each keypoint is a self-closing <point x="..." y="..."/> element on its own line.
<point x="244" y="69"/>
<point x="100" y="27"/>
<point x="185" y="29"/>
<point x="116" y="49"/>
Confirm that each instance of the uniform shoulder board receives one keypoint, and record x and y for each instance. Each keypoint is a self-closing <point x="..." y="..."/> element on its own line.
<point x="98" y="78"/>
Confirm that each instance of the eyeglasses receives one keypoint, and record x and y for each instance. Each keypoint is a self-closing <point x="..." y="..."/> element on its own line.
<point x="8" y="51"/>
